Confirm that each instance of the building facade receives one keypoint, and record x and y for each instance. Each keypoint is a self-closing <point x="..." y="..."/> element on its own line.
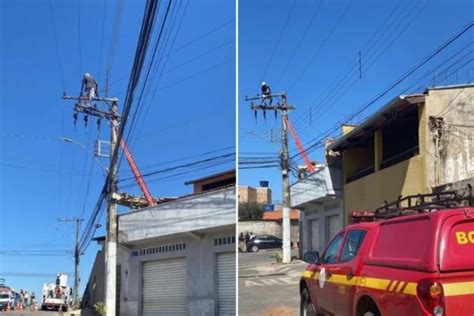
<point x="175" y="258"/>
<point x="260" y="195"/>
<point x="415" y="144"/>
<point x="318" y="196"/>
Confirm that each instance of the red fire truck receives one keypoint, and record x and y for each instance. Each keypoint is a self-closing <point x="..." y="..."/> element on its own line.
<point x="411" y="260"/>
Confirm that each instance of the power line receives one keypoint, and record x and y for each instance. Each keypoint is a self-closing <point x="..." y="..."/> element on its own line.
<point x="187" y="157"/>
<point x="199" y="56"/>
<point x="182" y="166"/>
<point x="72" y="172"/>
<point x="188" y="173"/>
<point x="261" y="167"/>
<point x="56" y="45"/>
<point x="160" y="35"/>
<point x="79" y="34"/>
<point x="140" y="53"/>
<point x="114" y="36"/>
<point x="337" y="91"/>
<point x="30" y="274"/>
<point x="213" y="30"/>
<point x="361" y="109"/>
<point x="282" y="31"/>
<point x="318" y="50"/>
<point x="369" y="45"/>
<point x="104" y="15"/>
<point x="301" y="40"/>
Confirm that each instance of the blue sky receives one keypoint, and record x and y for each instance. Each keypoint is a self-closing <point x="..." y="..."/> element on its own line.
<point x="42" y="178"/>
<point x="392" y="37"/>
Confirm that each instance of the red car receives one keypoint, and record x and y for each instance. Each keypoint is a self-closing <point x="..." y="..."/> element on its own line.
<point x="421" y="264"/>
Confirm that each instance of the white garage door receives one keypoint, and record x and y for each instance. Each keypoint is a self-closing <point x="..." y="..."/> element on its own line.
<point x="226" y="283"/>
<point x="334" y="226"/>
<point x="164" y="287"/>
<point x="315" y="245"/>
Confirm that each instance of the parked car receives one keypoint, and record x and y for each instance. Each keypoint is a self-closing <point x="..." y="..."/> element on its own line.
<point x="264" y="242"/>
<point x="420" y="264"/>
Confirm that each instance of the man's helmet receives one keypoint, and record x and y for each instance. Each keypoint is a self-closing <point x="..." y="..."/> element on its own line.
<point x="86" y="74"/>
<point x="264" y="83"/>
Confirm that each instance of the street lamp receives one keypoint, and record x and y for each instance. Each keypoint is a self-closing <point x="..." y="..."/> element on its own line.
<point x="69" y="140"/>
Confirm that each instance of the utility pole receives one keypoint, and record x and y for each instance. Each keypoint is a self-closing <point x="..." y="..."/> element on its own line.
<point x="85" y="107"/>
<point x="281" y="107"/>
<point x="111" y="261"/>
<point x="77" y="255"/>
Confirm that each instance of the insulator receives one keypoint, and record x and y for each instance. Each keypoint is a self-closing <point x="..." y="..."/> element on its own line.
<point x="74" y="116"/>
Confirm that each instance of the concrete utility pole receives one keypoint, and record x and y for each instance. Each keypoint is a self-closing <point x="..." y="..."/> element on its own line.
<point x="85" y="107"/>
<point x="282" y="107"/>
<point x="77" y="255"/>
<point x="111" y="263"/>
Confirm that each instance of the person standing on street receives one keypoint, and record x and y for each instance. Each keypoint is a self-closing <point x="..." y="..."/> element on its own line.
<point x="247" y="239"/>
<point x="252" y="236"/>
<point x="22" y="298"/>
<point x="33" y="299"/>
<point x="241" y="242"/>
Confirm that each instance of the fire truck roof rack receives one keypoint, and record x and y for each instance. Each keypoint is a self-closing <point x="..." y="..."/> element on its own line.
<point x="420" y="203"/>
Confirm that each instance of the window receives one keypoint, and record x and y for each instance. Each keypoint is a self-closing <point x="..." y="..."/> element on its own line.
<point x="400" y="138"/>
<point x="330" y="256"/>
<point x="352" y="244"/>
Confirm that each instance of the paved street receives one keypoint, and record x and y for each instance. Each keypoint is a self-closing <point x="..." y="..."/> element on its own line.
<point x="268" y="288"/>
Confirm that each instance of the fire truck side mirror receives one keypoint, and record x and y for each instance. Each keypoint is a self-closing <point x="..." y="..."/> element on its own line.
<point x="311" y="257"/>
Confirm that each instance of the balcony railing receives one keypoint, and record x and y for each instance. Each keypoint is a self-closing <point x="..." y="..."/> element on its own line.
<point x="400" y="157"/>
<point x="360" y="173"/>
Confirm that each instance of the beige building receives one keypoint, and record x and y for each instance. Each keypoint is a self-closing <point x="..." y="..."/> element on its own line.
<point x="417" y="143"/>
<point x="260" y="195"/>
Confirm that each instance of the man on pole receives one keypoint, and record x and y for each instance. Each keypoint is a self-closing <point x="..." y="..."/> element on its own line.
<point x="89" y="87"/>
<point x="266" y="93"/>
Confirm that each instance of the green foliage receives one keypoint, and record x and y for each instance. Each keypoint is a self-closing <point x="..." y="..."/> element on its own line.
<point x="100" y="308"/>
<point x="250" y="211"/>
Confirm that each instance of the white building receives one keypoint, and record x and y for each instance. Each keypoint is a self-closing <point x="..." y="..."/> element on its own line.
<point x="176" y="258"/>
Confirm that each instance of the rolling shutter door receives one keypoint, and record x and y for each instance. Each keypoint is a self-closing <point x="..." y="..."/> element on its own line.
<point x="334" y="226"/>
<point x="164" y="289"/>
<point x="315" y="234"/>
<point x="226" y="283"/>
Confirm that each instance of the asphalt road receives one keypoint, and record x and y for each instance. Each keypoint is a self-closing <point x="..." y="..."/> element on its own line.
<point x="267" y="288"/>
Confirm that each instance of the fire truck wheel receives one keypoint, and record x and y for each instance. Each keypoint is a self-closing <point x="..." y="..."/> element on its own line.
<point x="367" y="307"/>
<point x="306" y="307"/>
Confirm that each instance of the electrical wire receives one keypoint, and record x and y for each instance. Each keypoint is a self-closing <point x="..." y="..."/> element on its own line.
<point x="361" y="109"/>
<point x="104" y="15"/>
<point x="57" y="46"/>
<point x="300" y="41"/>
<point x="282" y="31"/>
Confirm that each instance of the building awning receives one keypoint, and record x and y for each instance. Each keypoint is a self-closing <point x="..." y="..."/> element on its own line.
<point x="398" y="105"/>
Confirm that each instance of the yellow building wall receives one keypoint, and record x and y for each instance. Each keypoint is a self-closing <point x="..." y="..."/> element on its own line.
<point x="407" y="177"/>
<point x="355" y="158"/>
<point x="368" y="193"/>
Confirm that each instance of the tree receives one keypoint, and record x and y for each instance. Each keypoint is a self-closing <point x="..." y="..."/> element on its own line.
<point x="250" y="211"/>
